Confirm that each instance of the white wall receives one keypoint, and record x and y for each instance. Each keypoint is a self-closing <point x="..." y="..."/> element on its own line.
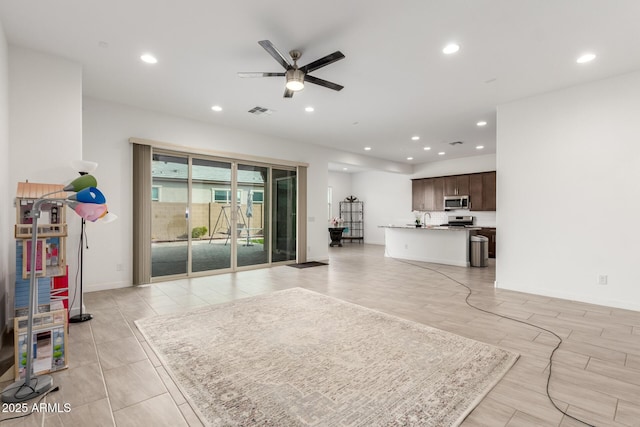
<point x="568" y="193"/>
<point x="340" y="183"/>
<point x="6" y="240"/>
<point x="45" y="129"/>
<point x="387" y="200"/>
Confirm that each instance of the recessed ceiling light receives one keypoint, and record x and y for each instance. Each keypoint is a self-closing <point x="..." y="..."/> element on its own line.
<point x="427" y="148"/>
<point x="367" y="148"/>
<point x="481" y="123"/>
<point x="479" y="147"/>
<point x="415" y="138"/>
<point x="216" y="108"/>
<point x="587" y="57"/>
<point x="309" y="109"/>
<point x="442" y="153"/>
<point x="409" y="158"/>
<point x="149" y="59"/>
<point x="345" y="169"/>
<point x="451" y="48"/>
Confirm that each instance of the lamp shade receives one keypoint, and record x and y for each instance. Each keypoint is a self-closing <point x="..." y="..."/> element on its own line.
<point x="89" y="211"/>
<point x="81" y="183"/>
<point x="89" y="195"/>
<point x="84" y="166"/>
<point x="108" y="217"/>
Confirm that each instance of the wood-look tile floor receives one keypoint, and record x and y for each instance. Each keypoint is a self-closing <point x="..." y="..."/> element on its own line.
<point x="115" y="379"/>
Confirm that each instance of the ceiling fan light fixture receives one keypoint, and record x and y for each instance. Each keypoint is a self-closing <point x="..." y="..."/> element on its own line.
<point x="295" y="79"/>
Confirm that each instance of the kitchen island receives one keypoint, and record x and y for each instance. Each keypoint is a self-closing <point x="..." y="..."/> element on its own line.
<point x="437" y="244"/>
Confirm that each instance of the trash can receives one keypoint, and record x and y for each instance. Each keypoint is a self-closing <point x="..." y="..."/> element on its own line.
<point x="479" y="253"/>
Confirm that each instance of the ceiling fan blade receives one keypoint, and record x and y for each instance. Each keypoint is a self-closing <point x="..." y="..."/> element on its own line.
<point x="288" y="93"/>
<point x="269" y="47"/>
<point x="321" y="82"/>
<point x="251" y="74"/>
<point x="324" y="61"/>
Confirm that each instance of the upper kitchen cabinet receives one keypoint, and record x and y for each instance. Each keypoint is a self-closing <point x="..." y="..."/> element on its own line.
<point x="424" y="194"/>
<point x="482" y="191"/>
<point x="438" y="194"/>
<point x="428" y="193"/>
<point x="457" y="185"/>
<point x="418" y="193"/>
<point x="489" y="191"/>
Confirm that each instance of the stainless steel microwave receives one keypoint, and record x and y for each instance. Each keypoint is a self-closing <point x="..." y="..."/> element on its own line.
<point x="452" y="203"/>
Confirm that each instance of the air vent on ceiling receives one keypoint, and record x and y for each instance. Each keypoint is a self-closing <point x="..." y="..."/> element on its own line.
<point x="456" y="143"/>
<point x="258" y="111"/>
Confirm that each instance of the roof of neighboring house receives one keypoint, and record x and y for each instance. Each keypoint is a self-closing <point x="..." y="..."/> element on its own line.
<point x="165" y="170"/>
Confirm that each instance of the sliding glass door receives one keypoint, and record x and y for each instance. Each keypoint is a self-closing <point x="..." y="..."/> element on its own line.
<point x="210" y="214"/>
<point x="212" y="221"/>
<point x="252" y="215"/>
<point x="283" y="244"/>
<point x="169" y="215"/>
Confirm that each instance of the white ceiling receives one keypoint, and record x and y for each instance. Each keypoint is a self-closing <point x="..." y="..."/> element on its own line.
<point x="397" y="81"/>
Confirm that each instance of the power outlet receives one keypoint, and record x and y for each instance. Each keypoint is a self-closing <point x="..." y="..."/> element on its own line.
<point x="602" y="279"/>
<point x="119" y="267"/>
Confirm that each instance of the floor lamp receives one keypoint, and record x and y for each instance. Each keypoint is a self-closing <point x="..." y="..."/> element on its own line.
<point x="85" y="167"/>
<point x="82" y="317"/>
<point x="85" y="195"/>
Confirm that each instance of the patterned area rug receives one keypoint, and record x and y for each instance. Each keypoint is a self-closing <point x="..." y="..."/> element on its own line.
<point x="300" y="358"/>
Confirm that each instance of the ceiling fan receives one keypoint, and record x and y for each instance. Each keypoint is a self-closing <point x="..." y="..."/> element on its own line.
<point x="297" y="76"/>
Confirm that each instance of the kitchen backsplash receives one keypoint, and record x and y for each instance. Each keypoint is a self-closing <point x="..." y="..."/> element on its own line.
<point x="481" y="219"/>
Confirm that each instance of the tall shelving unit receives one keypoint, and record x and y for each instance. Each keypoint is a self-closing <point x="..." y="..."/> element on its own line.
<point x="352" y="214"/>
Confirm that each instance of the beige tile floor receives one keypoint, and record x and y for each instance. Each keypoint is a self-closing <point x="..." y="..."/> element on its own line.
<point x="114" y="378"/>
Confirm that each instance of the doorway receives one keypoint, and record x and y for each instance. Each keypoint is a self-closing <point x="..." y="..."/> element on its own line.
<point x="219" y="215"/>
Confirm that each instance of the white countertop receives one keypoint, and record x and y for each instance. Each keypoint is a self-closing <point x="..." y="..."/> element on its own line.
<point x="432" y="227"/>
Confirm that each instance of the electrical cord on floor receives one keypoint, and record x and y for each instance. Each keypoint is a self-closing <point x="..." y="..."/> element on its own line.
<point x="56" y="388"/>
<point x="466" y="300"/>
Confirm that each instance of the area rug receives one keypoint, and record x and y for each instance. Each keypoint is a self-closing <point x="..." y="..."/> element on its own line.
<point x="300" y="358"/>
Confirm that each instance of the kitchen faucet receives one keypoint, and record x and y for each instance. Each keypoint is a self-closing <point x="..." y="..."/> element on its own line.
<point x="424" y="215"/>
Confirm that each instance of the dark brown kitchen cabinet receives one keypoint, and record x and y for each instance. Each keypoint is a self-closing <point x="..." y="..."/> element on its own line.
<point x="489" y="191"/>
<point x="489" y="233"/>
<point x="428" y="187"/>
<point x="428" y="193"/>
<point x="482" y="191"/>
<point x="456" y="185"/>
<point x="418" y="194"/>
<point x="438" y="194"/>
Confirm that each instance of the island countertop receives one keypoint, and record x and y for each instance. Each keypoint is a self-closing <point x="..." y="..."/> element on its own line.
<point x="438" y="244"/>
<point x="432" y="227"/>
